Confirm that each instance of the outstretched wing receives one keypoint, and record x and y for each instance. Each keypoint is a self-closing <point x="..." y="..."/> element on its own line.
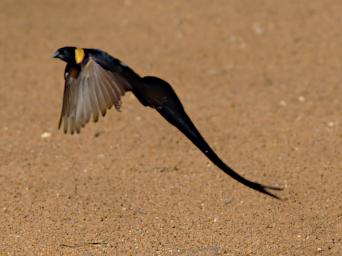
<point x="92" y="91"/>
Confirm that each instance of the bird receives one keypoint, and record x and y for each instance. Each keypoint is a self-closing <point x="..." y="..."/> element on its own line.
<point x="95" y="82"/>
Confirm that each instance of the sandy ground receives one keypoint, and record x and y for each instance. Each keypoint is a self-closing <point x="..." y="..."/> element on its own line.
<point x="261" y="80"/>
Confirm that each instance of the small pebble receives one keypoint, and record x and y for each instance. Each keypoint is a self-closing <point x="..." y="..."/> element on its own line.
<point x="331" y="124"/>
<point x="258" y="29"/>
<point x="45" y="135"/>
<point x="301" y="98"/>
<point x="282" y="103"/>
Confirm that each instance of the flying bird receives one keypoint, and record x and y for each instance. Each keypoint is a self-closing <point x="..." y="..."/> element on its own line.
<point x="96" y="81"/>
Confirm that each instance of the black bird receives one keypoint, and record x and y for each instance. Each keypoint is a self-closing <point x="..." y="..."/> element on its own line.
<point x="95" y="81"/>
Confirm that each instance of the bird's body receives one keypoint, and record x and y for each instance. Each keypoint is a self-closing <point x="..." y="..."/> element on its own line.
<point x="95" y="81"/>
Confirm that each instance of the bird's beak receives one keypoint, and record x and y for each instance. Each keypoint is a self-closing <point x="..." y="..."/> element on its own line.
<point x="56" y="54"/>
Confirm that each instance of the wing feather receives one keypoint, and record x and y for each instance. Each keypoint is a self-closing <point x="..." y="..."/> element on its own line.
<point x="100" y="99"/>
<point x="114" y="95"/>
<point x="103" y="87"/>
<point x="93" y="92"/>
<point x="87" y="110"/>
<point x="93" y="98"/>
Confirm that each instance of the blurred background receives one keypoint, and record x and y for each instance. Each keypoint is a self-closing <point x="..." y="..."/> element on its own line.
<point x="260" y="79"/>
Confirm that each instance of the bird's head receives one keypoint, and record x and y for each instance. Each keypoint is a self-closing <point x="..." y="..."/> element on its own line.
<point x="70" y="54"/>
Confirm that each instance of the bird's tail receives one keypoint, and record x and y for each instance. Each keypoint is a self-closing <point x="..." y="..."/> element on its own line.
<point x="183" y="122"/>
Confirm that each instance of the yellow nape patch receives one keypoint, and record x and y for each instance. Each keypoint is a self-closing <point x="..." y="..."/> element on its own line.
<point x="79" y="55"/>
